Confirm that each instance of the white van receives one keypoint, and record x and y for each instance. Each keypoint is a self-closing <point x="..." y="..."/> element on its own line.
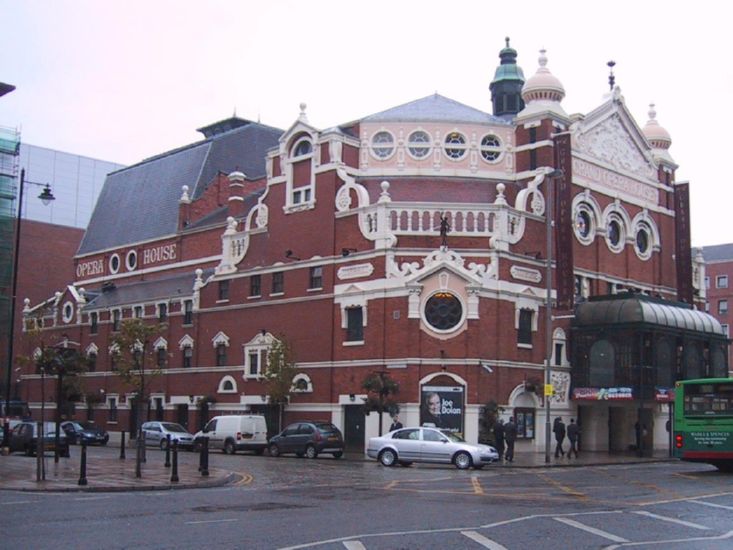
<point x="235" y="433"/>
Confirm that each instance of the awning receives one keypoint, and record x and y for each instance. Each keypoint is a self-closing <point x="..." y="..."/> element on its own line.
<point x="638" y="309"/>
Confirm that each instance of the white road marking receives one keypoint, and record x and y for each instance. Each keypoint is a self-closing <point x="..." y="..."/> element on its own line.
<point x="588" y="529"/>
<point x="93" y="498"/>
<point x="673" y="520"/>
<point x="712" y="504"/>
<point x="724" y="536"/>
<point x="354" y="545"/>
<point x="211" y="521"/>
<point x="16" y="502"/>
<point x="482" y="540"/>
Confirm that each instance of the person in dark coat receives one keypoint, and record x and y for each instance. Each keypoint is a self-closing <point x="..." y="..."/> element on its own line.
<point x="396" y="424"/>
<point x="559" y="430"/>
<point x="499" y="437"/>
<point x="573" y="432"/>
<point x="510" y="436"/>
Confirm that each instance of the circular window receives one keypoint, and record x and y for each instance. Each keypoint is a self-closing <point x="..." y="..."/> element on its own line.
<point x="418" y="144"/>
<point x="643" y="241"/>
<point x="615" y="235"/>
<point x="131" y="260"/>
<point x="68" y="312"/>
<point x="490" y="148"/>
<point x="114" y="263"/>
<point x="382" y="145"/>
<point x="582" y="224"/>
<point x="443" y="311"/>
<point x="455" y="145"/>
<point x="303" y="147"/>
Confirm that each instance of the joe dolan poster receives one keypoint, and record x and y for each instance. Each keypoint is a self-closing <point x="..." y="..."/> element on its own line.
<point x="442" y="406"/>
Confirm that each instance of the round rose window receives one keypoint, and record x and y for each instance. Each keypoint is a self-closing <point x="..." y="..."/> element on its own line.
<point x="443" y="311"/>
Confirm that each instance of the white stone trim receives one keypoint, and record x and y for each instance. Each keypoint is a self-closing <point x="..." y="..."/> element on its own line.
<point x="223" y="381"/>
<point x="220" y="338"/>
<point x="185" y="342"/>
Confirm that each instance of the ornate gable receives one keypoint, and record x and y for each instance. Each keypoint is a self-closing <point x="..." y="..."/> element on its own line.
<point x="611" y="135"/>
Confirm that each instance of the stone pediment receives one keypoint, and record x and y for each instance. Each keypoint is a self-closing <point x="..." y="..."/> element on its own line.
<point x="611" y="136"/>
<point x="413" y="272"/>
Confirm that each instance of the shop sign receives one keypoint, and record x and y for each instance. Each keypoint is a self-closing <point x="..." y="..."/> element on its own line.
<point x="603" y="394"/>
<point x="664" y="395"/>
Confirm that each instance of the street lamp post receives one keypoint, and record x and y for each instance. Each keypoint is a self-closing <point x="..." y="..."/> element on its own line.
<point x="46" y="197"/>
<point x="549" y="205"/>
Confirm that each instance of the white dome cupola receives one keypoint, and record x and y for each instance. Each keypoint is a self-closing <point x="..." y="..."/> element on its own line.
<point x="543" y="85"/>
<point x="658" y="137"/>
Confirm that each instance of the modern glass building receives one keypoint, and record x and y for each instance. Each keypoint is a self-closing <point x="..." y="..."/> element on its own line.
<point x="75" y="180"/>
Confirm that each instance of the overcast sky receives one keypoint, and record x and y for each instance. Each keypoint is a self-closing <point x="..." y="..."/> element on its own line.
<point x="125" y="80"/>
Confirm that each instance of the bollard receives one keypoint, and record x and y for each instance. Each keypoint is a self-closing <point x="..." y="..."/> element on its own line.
<point x="83" y="467"/>
<point x="174" y="473"/>
<point x="168" y="452"/>
<point x="122" y="446"/>
<point x="205" y="458"/>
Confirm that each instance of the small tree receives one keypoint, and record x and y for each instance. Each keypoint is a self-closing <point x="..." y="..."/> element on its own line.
<point x="489" y="415"/>
<point x="381" y="390"/>
<point x="133" y="353"/>
<point x="279" y="373"/>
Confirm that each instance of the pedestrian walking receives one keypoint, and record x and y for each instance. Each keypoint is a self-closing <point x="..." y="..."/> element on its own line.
<point x="499" y="437"/>
<point x="559" y="430"/>
<point x="510" y="436"/>
<point x="573" y="432"/>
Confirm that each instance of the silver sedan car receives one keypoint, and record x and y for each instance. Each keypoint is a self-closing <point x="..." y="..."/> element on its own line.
<point x="408" y="445"/>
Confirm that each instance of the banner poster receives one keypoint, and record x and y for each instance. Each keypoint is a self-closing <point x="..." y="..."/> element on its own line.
<point x="442" y="406"/>
<point x="563" y="216"/>
<point x="683" y="251"/>
<point x="603" y="394"/>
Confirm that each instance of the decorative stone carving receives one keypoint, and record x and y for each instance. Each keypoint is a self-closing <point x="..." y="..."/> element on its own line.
<point x="355" y="271"/>
<point x="609" y="141"/>
<point x="262" y="215"/>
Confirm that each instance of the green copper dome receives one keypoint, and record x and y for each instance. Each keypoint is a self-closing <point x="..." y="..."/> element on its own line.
<point x="508" y="69"/>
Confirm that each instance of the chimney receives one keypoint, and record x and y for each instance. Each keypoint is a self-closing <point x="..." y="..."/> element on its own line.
<point x="236" y="194"/>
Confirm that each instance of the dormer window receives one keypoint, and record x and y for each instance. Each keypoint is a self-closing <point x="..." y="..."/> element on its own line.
<point x="302" y="147"/>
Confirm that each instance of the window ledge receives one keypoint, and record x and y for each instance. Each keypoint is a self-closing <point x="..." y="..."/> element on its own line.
<point x="252" y="377"/>
<point x="226" y="301"/>
<point x="275" y="294"/>
<point x="524" y="346"/>
<point x="354" y="343"/>
<point x="319" y="289"/>
<point x="257" y="297"/>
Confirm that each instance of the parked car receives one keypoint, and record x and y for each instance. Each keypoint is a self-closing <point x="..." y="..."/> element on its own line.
<point x="24" y="437"/>
<point x="156" y="433"/>
<point x="408" y="445"/>
<point x="308" y="439"/>
<point x="84" y="432"/>
<point x="234" y="433"/>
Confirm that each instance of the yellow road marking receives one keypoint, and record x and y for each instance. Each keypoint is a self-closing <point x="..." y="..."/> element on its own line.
<point x="246" y="480"/>
<point x="563" y="488"/>
<point x="477" y="489"/>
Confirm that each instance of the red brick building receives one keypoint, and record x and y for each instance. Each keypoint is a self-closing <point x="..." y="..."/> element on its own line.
<point x="410" y="242"/>
<point x="719" y="286"/>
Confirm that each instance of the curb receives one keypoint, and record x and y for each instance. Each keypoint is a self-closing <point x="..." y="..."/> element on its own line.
<point x="228" y="479"/>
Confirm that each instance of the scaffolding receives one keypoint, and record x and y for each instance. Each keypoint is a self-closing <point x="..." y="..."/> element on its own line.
<point x="9" y="163"/>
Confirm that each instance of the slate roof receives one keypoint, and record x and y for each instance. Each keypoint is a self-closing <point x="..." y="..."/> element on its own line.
<point x="434" y="108"/>
<point x="141" y="202"/>
<point x="178" y="286"/>
<point x="717" y="253"/>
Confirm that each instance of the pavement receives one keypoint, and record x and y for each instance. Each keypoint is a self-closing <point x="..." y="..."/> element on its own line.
<point x="112" y="474"/>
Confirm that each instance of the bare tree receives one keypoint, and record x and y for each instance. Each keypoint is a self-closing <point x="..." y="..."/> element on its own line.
<point x="278" y="374"/>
